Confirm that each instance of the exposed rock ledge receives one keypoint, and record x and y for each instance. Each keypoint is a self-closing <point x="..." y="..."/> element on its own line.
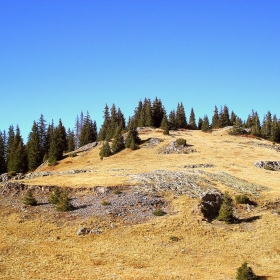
<point x="270" y="165"/>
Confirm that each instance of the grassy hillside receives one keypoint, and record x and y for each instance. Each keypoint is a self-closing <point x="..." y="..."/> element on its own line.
<point x="40" y="243"/>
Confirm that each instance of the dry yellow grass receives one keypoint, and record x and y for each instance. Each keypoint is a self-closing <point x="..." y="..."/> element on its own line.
<point x="47" y="247"/>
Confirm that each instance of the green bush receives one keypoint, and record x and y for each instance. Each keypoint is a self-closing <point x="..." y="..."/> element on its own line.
<point x="181" y="142"/>
<point x="52" y="163"/>
<point x="159" y="212"/>
<point x="226" y="210"/>
<point x="64" y="203"/>
<point x="12" y="173"/>
<point x="72" y="155"/>
<point x="117" y="191"/>
<point x="242" y="199"/>
<point x="105" y="203"/>
<point x="269" y="168"/>
<point x="245" y="273"/>
<point x="174" y="238"/>
<point x="105" y="150"/>
<point x="28" y="199"/>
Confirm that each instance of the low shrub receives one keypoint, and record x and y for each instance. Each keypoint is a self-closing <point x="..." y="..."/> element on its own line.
<point x="226" y="210"/>
<point x="269" y="168"/>
<point x="117" y="191"/>
<point x="245" y="272"/>
<point x="54" y="197"/>
<point x="28" y="199"/>
<point x="12" y="173"/>
<point x="174" y="238"/>
<point x="64" y="203"/>
<point x="72" y="155"/>
<point x="159" y="212"/>
<point x="181" y="142"/>
<point x="242" y="199"/>
<point x="105" y="203"/>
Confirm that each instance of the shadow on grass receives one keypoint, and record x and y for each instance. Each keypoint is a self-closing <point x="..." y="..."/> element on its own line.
<point x="247" y="220"/>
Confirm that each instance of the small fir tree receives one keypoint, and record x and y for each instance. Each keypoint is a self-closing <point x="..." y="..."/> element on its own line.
<point x="54" y="197"/>
<point x="64" y="203"/>
<point x="105" y="150"/>
<point x="28" y="199"/>
<point x="226" y="210"/>
<point x="245" y="272"/>
<point x="132" y="139"/>
<point x="118" y="141"/>
<point x="164" y="125"/>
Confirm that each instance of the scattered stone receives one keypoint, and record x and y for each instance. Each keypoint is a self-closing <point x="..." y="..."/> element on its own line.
<point x="174" y="148"/>
<point x="4" y="177"/>
<point x="83" y="231"/>
<point x="269" y="165"/>
<point x="202" y="165"/>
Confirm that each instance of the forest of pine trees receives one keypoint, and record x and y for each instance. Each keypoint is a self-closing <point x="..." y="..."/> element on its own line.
<point x="49" y="142"/>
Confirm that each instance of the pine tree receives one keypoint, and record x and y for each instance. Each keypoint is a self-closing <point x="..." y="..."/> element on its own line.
<point x="266" y="126"/>
<point x="61" y="139"/>
<point x="245" y="273"/>
<point x="29" y="199"/>
<point x="232" y="118"/>
<point x="192" y="123"/>
<point x="164" y="125"/>
<point x="181" y="121"/>
<point x="275" y="130"/>
<point x="42" y="136"/>
<point x="105" y="150"/>
<point x="226" y="210"/>
<point x="205" y="124"/>
<point x="200" y="121"/>
<point x="158" y="112"/>
<point x="34" y="148"/>
<point x="139" y="115"/>
<point x="118" y="141"/>
<point x="70" y="140"/>
<point x="172" y="120"/>
<point x="55" y="195"/>
<point x="132" y="139"/>
<point x="88" y="131"/>
<point x="224" y="117"/>
<point x="64" y="202"/>
<point x="17" y="157"/>
<point x="3" y="167"/>
<point x="102" y="136"/>
<point x="147" y="108"/>
<point x="255" y="124"/>
<point x="215" y="118"/>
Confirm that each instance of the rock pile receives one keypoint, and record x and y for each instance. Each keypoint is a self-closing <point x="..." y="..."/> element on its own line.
<point x="4" y="177"/>
<point x="202" y="165"/>
<point x="174" y="148"/>
<point x="209" y="206"/>
<point x="152" y="142"/>
<point x="272" y="165"/>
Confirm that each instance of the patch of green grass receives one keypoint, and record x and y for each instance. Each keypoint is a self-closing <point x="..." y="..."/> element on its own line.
<point x="105" y="203"/>
<point x="117" y="191"/>
<point x="159" y="212"/>
<point x="269" y="168"/>
<point x="174" y="238"/>
<point x="242" y="199"/>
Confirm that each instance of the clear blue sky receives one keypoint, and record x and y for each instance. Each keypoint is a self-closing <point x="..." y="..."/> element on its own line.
<point x="59" y="57"/>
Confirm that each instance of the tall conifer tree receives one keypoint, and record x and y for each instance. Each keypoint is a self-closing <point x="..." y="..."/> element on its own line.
<point x="192" y="123"/>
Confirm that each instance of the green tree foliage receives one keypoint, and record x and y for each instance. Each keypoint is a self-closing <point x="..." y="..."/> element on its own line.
<point x="192" y="123"/>
<point x="64" y="202"/>
<point x="88" y="131"/>
<point x="34" y="148"/>
<point x="199" y="125"/>
<point x="132" y="139"/>
<point x="17" y="157"/>
<point x="70" y="140"/>
<point x="158" y="112"/>
<point x="181" y="121"/>
<point x="164" y="125"/>
<point x="42" y="131"/>
<point x="215" y="118"/>
<point x="29" y="199"/>
<point x="3" y="167"/>
<point x="205" y="126"/>
<point x="118" y="141"/>
<point x="226" y="210"/>
<point x="245" y="272"/>
<point x="275" y="130"/>
<point x="55" y="195"/>
<point x="172" y="119"/>
<point x="266" y="126"/>
<point x="224" y="117"/>
<point x="105" y="150"/>
<point x="147" y="112"/>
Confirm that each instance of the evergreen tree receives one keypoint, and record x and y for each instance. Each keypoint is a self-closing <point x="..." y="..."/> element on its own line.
<point x="164" y="125"/>
<point x="17" y="157"/>
<point x="105" y="126"/>
<point x="139" y="115"/>
<point x="255" y="124"/>
<point x="226" y="210"/>
<point x="172" y="120"/>
<point x="181" y="121"/>
<point x="215" y="118"/>
<point x="42" y="131"/>
<point x="245" y="273"/>
<point x="120" y="119"/>
<point x="158" y="112"/>
<point x="3" y="167"/>
<point x="200" y="121"/>
<point x="70" y="140"/>
<point x="205" y="124"/>
<point x="105" y="150"/>
<point x="147" y="109"/>
<point x="64" y="203"/>
<point x="49" y="136"/>
<point x="34" y="148"/>
<point x="88" y="131"/>
<point x="266" y="126"/>
<point x="61" y="139"/>
<point x="224" y="117"/>
<point x="275" y="130"/>
<point x="232" y="118"/>
<point x="29" y="199"/>
<point x="55" y="195"/>
<point x="132" y="139"/>
<point x="118" y="141"/>
<point x="10" y="141"/>
<point x="192" y="123"/>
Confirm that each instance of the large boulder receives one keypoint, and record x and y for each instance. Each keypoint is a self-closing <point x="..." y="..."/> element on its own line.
<point x="209" y="206"/>
<point x="269" y="165"/>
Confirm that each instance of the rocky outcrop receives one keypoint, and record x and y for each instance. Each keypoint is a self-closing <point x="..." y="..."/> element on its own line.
<point x="209" y="206"/>
<point x="4" y="177"/>
<point x="269" y="165"/>
<point x="202" y="165"/>
<point x="174" y="148"/>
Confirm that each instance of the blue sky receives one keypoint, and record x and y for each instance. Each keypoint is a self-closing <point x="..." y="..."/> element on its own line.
<point x="59" y="57"/>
